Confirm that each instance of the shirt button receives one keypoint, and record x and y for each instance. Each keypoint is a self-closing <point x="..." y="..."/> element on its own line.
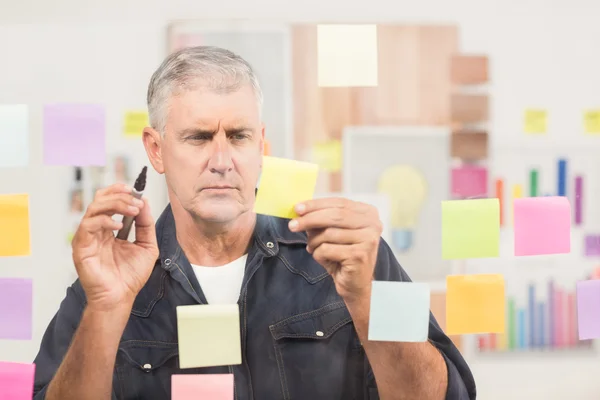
<point x="320" y="334"/>
<point x="147" y="366"/>
<point x="270" y="245"/>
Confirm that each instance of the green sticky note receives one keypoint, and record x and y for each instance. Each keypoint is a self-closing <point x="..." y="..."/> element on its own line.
<point x="209" y="335"/>
<point x="470" y="228"/>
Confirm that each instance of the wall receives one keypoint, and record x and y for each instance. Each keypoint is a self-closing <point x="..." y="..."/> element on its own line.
<point x="541" y="53"/>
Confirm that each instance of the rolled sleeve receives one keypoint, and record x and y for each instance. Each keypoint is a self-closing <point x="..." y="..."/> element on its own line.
<point x="461" y="384"/>
<point x="57" y="338"/>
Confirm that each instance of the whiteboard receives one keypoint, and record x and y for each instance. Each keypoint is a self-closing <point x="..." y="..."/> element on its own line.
<point x="369" y="150"/>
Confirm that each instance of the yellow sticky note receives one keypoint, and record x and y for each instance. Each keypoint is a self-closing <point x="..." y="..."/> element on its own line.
<point x="475" y="304"/>
<point x="135" y="122"/>
<point x="328" y="155"/>
<point x="14" y="225"/>
<point x="591" y="122"/>
<point x="283" y="184"/>
<point x="209" y="335"/>
<point x="536" y="121"/>
<point x="347" y="55"/>
<point x="470" y="228"/>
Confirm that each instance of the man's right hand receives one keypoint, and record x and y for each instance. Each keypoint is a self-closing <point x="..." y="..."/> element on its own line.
<point x="113" y="271"/>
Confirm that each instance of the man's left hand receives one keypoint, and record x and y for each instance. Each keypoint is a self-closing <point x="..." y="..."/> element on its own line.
<point x="343" y="236"/>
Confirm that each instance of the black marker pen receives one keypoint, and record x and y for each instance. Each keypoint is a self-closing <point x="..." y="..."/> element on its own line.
<point x="137" y="192"/>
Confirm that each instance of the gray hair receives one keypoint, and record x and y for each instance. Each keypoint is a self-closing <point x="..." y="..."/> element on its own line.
<point x="218" y="69"/>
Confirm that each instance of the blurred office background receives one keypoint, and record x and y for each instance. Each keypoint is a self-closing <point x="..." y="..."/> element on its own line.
<point x="457" y="81"/>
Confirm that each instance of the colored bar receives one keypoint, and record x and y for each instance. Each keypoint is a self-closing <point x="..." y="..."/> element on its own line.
<point x="578" y="199"/>
<point x="512" y="326"/>
<point x="492" y="341"/>
<point x="558" y="319"/>
<point x="541" y="339"/>
<point x="517" y="193"/>
<point x="481" y="342"/>
<point x="551" y="337"/>
<point x="533" y="183"/>
<point x="531" y="312"/>
<point x="572" y="320"/>
<point x="500" y="197"/>
<point x="562" y="178"/>
<point x="521" y="329"/>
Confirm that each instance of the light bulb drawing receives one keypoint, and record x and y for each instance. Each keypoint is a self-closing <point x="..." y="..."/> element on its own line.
<point x="407" y="188"/>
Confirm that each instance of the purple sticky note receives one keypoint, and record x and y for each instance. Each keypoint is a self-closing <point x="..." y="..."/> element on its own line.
<point x="542" y="225"/>
<point x="592" y="245"/>
<point x="588" y="309"/>
<point x="16" y="304"/>
<point x="16" y="381"/>
<point x="74" y="135"/>
<point x="469" y="181"/>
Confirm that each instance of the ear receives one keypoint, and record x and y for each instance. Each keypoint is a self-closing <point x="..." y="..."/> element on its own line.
<point x="153" y="143"/>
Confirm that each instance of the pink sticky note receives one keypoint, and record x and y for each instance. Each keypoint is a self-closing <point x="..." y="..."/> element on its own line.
<point x="16" y="381"/>
<point x="469" y="181"/>
<point x="542" y="225"/>
<point x="588" y="309"/>
<point x="202" y="386"/>
<point x="74" y="135"/>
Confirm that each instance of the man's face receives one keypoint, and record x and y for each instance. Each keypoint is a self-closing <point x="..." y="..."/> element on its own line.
<point x="212" y="152"/>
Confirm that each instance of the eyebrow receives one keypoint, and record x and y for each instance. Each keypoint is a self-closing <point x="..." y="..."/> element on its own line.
<point x="203" y="131"/>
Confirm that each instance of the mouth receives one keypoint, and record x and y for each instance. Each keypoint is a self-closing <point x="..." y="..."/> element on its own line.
<point x="219" y="188"/>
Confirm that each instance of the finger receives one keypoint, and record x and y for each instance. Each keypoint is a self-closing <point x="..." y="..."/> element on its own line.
<point x="328" y="254"/>
<point x="309" y="206"/>
<point x="97" y="224"/>
<point x="329" y="218"/>
<point x="118" y="203"/>
<point x="145" y="231"/>
<point x="113" y="189"/>
<point x="335" y="236"/>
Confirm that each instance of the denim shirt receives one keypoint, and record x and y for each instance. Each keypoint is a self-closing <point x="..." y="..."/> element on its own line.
<point x="286" y="298"/>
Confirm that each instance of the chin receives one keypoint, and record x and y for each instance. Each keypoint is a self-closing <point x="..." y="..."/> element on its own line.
<point x="224" y="211"/>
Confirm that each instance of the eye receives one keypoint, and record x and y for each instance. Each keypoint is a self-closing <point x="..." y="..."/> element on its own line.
<point x="200" y="137"/>
<point x="239" y="136"/>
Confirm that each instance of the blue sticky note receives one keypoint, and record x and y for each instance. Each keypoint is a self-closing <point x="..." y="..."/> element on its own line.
<point x="399" y="312"/>
<point x="14" y="135"/>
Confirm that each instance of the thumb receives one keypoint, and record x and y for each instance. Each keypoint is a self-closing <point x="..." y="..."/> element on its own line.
<point x="145" y="232"/>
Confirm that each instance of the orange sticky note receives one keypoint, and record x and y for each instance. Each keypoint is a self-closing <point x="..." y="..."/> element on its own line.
<point x="475" y="304"/>
<point x="267" y="148"/>
<point x="202" y="386"/>
<point x="14" y="225"/>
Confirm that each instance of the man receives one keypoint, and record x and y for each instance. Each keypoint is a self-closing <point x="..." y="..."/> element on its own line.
<point x="303" y="286"/>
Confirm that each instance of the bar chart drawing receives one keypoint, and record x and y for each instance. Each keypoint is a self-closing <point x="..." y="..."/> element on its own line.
<point x="535" y="324"/>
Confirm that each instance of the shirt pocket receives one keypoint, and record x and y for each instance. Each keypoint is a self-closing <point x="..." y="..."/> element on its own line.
<point x="319" y="355"/>
<point x="143" y="369"/>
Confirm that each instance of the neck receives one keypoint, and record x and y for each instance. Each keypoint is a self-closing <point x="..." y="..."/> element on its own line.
<point x="213" y="244"/>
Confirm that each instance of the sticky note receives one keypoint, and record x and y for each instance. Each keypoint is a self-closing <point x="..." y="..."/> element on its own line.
<point x="16" y="381"/>
<point x="470" y="228"/>
<point x="399" y="311"/>
<point x="591" y="121"/>
<point x="588" y="309"/>
<point x="14" y="225"/>
<point x="536" y="121"/>
<point x="16" y="305"/>
<point x="328" y="155"/>
<point x="135" y="122"/>
<point x="267" y="148"/>
<point x="347" y="55"/>
<point x="469" y="181"/>
<point x="202" y="386"/>
<point x="74" y="135"/>
<point x="283" y="184"/>
<point x="14" y="135"/>
<point x="209" y="335"/>
<point x="592" y="245"/>
<point x="542" y="225"/>
<point x="475" y="304"/>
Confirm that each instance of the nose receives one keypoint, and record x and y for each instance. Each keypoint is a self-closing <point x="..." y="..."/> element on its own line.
<point x="220" y="160"/>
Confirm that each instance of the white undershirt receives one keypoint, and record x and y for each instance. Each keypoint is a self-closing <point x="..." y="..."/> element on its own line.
<point x="222" y="285"/>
